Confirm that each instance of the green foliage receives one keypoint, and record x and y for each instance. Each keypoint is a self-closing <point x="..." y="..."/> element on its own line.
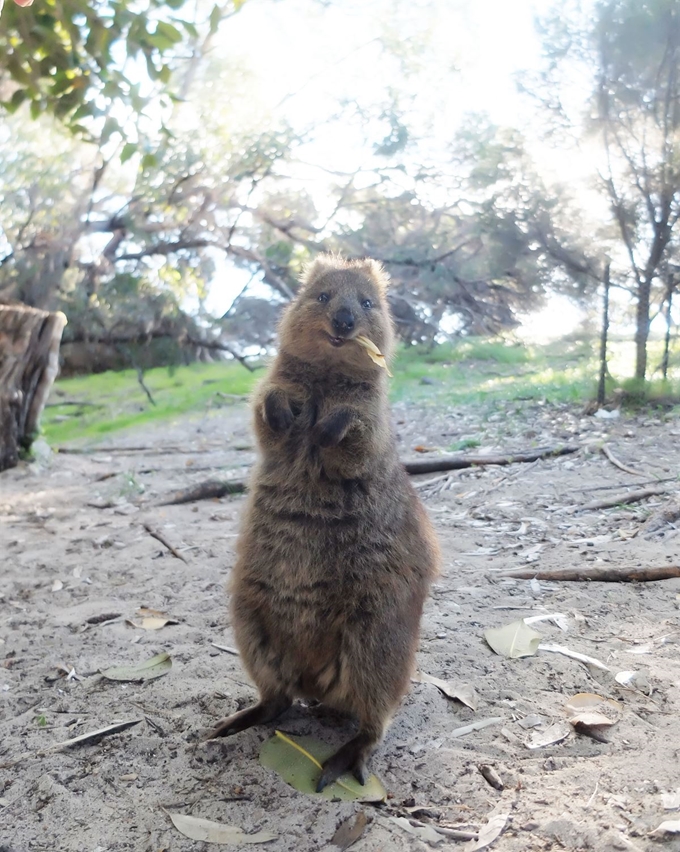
<point x="481" y="371"/>
<point x="464" y="444"/>
<point x="115" y="400"/>
<point x="475" y="371"/>
<point x="65" y="57"/>
<point x="655" y="394"/>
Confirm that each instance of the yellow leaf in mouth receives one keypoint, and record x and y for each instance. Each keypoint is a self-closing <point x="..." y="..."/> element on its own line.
<point x="373" y="352"/>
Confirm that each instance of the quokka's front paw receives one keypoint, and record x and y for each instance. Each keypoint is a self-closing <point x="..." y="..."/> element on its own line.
<point x="331" y="430"/>
<point x="277" y="412"/>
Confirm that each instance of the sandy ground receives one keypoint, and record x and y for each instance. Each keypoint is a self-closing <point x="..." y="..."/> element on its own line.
<point x="74" y="549"/>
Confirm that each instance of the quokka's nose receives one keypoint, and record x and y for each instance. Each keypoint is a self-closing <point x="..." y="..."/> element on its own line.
<point x="343" y="321"/>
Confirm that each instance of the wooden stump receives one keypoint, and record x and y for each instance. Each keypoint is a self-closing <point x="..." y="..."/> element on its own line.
<point x="29" y="362"/>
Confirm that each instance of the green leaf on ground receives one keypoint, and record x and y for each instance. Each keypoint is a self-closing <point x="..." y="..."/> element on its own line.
<point x="216" y="832"/>
<point x="513" y="640"/>
<point x="298" y="761"/>
<point x="155" y="667"/>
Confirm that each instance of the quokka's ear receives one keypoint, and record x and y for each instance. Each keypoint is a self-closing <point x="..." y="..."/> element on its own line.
<point x="376" y="273"/>
<point x="318" y="266"/>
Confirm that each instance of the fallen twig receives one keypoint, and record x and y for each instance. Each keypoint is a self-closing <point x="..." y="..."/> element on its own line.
<point x="621" y="466"/>
<point x="621" y="499"/>
<point x="225" y="648"/>
<point x="160" y="537"/>
<point x="74" y="402"/>
<point x="215" y="488"/>
<point x="464" y="460"/>
<point x="575" y="655"/>
<point x="95" y="736"/>
<point x="155" y="451"/>
<point x="428" y="483"/>
<point x="211" y="489"/>
<point x="475" y="726"/>
<point x="622" y="485"/>
<point x="595" y="573"/>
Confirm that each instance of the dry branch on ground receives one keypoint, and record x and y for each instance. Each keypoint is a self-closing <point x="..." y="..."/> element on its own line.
<point x="595" y="573"/>
<point x="212" y="489"/>
<point x="622" y="499"/>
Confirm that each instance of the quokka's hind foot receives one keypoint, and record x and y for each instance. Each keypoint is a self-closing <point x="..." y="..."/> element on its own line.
<point x="259" y="714"/>
<point x="352" y="757"/>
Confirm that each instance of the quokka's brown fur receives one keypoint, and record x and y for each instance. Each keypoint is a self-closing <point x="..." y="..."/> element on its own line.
<point x="335" y="554"/>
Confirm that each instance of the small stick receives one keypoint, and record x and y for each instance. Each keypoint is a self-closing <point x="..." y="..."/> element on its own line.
<point x="160" y="537"/>
<point x="595" y="573"/>
<point x="464" y="460"/>
<point x="428" y="482"/>
<point x="453" y="833"/>
<point x="618" y="499"/>
<point x="208" y="490"/>
<point x="621" y="466"/>
<point x="215" y="488"/>
<point x="225" y="648"/>
<point x="74" y="402"/>
<point x="151" y="451"/>
<point x="94" y="736"/>
<point x="575" y="655"/>
<point x="475" y="726"/>
<point x="620" y="485"/>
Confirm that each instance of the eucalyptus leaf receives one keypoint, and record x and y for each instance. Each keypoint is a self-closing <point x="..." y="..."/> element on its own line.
<point x="671" y="826"/>
<point x="155" y="667"/>
<point x="423" y="832"/>
<point x="298" y="761"/>
<point x="350" y="831"/>
<point x="216" y="832"/>
<point x="488" y="833"/>
<point x="462" y="692"/>
<point x="514" y="640"/>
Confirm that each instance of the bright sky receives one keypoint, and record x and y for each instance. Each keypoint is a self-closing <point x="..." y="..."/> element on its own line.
<point x="453" y="57"/>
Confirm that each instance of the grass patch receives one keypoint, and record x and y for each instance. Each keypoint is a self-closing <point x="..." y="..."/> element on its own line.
<point x="111" y="401"/>
<point x="471" y="371"/>
<point x="658" y="394"/>
<point x="464" y="444"/>
<point x="475" y="371"/>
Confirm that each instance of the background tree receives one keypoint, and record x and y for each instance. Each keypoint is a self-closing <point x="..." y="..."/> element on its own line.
<point x="628" y="52"/>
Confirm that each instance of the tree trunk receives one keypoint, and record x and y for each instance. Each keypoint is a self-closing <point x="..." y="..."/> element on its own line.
<point x="29" y="361"/>
<point x="669" y="323"/>
<point x="642" y="328"/>
<point x="601" y="387"/>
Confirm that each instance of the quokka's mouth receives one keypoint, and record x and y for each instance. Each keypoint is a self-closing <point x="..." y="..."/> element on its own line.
<point x="337" y="341"/>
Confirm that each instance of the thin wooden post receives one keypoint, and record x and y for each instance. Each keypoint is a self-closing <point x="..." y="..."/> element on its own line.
<point x="667" y="341"/>
<point x="603" y="339"/>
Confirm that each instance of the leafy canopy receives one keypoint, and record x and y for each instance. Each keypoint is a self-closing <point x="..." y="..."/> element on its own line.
<point x="73" y="59"/>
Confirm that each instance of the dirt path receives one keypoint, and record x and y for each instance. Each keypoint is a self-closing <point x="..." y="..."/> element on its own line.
<point x="73" y="548"/>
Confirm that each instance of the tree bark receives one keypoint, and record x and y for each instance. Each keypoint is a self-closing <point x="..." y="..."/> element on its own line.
<point x="29" y="362"/>
<point x="642" y="328"/>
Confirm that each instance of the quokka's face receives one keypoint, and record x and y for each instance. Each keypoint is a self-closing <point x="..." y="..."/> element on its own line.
<point x="335" y="306"/>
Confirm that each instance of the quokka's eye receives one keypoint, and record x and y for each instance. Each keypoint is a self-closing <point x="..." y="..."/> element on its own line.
<point x="367" y="304"/>
<point x="322" y="297"/>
